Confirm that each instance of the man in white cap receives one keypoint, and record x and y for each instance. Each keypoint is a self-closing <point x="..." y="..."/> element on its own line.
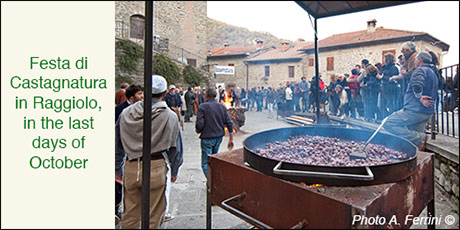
<point x="166" y="158"/>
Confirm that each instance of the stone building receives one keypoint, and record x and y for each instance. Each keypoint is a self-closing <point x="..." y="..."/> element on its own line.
<point x="278" y="66"/>
<point x="234" y="56"/>
<point x="341" y="52"/>
<point x="179" y="28"/>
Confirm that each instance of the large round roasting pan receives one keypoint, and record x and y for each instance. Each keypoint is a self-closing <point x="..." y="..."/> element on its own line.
<point x="330" y="175"/>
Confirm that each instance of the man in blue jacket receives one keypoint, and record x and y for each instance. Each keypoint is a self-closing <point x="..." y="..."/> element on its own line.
<point x="421" y="92"/>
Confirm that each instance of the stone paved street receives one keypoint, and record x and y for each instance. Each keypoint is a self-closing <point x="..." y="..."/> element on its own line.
<point x="188" y="194"/>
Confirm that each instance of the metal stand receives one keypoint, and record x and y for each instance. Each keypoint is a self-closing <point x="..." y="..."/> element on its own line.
<point x="430" y="211"/>
<point x="208" y="205"/>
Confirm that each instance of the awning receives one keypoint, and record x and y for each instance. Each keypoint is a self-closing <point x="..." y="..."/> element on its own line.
<point x="322" y="9"/>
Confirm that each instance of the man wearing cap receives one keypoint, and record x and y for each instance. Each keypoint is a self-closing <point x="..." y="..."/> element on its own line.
<point x="174" y="102"/>
<point x="410" y="121"/>
<point x="166" y="156"/>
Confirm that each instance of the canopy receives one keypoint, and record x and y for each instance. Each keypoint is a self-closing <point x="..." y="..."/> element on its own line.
<point x="322" y="9"/>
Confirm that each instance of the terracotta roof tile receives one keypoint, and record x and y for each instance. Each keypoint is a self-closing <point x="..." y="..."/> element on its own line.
<point x="231" y="51"/>
<point x="362" y="36"/>
<point x="278" y="54"/>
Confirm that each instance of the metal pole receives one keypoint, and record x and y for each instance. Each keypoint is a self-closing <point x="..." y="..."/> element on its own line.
<point x="247" y="75"/>
<point x="316" y="71"/>
<point x="145" y="208"/>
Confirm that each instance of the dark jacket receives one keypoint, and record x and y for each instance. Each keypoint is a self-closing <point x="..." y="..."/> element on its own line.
<point x="389" y="70"/>
<point x="189" y="98"/>
<point x="211" y="119"/>
<point x="173" y="100"/>
<point x="119" y="108"/>
<point x="372" y="81"/>
<point x="201" y="98"/>
<point x="423" y="82"/>
<point x="270" y="97"/>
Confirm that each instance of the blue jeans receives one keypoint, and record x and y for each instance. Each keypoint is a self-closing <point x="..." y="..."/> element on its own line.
<point x="208" y="147"/>
<point x="407" y="124"/>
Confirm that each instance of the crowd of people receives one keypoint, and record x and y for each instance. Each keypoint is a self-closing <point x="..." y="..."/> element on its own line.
<point x="369" y="91"/>
<point x="404" y="92"/>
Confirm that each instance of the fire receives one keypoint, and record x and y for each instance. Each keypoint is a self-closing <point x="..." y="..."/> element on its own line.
<point x="228" y="101"/>
<point x="312" y="185"/>
<point x="226" y="130"/>
<point x="315" y="185"/>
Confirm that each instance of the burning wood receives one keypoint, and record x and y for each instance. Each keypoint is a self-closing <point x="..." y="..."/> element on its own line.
<point x="236" y="113"/>
<point x="237" y="117"/>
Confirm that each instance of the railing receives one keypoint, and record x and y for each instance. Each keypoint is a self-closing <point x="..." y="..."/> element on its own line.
<point x="447" y="117"/>
<point x="380" y="102"/>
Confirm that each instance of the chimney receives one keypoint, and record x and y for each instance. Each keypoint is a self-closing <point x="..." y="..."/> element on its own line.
<point x="371" y="25"/>
<point x="259" y="43"/>
<point x="284" y="46"/>
<point x="226" y="45"/>
<point x="300" y="41"/>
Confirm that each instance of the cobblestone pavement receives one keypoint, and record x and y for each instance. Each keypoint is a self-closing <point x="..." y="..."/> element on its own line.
<point x="188" y="193"/>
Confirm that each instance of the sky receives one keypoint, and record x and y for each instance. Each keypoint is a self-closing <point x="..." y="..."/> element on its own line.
<point x="286" y="19"/>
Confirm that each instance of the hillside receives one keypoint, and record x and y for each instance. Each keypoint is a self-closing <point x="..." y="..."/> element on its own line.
<point x="219" y="33"/>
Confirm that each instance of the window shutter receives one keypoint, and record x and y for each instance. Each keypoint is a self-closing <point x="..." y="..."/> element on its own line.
<point x="330" y="63"/>
<point x="388" y="51"/>
<point x="191" y="62"/>
<point x="291" y="71"/>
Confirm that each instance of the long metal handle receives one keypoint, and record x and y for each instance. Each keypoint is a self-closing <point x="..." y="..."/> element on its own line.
<point x="375" y="133"/>
<point x="277" y="170"/>
<point x="241" y="214"/>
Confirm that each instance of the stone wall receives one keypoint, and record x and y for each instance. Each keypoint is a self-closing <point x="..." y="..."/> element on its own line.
<point x="346" y="59"/>
<point x="446" y="176"/>
<point x="239" y="78"/>
<point x="182" y="22"/>
<point x="279" y="73"/>
<point x="137" y="76"/>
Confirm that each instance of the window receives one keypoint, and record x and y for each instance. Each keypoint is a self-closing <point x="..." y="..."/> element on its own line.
<point x="311" y="62"/>
<point x="267" y="71"/>
<point x="291" y="71"/>
<point x="231" y="64"/>
<point x="191" y="62"/>
<point x="330" y="63"/>
<point x="136" y="30"/>
<point x="388" y="51"/>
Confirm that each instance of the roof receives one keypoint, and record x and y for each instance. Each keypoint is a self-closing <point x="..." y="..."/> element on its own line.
<point x="228" y="51"/>
<point x="380" y="35"/>
<point x="322" y="9"/>
<point x="278" y="54"/>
